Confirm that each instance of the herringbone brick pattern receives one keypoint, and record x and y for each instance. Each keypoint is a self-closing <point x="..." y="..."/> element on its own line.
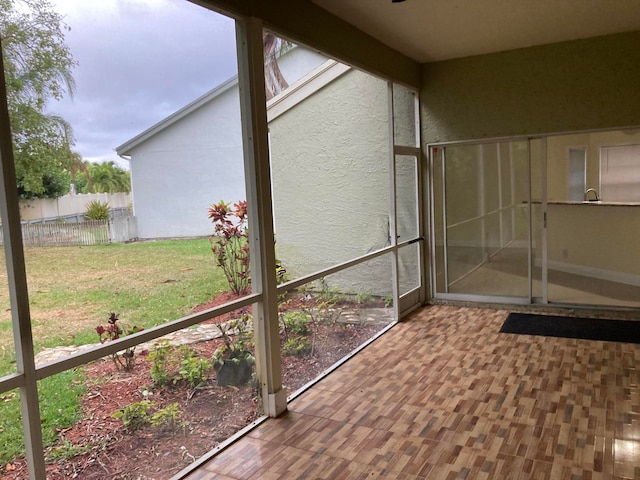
<point x="443" y="395"/>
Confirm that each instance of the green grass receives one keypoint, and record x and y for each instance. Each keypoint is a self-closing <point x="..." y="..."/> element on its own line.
<point x="73" y="289"/>
<point x="59" y="398"/>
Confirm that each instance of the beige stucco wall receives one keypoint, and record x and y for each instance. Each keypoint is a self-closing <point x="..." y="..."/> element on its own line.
<point x="572" y="86"/>
<point x="595" y="240"/>
<point x="47" y="208"/>
<point x="569" y="86"/>
<point x="330" y="171"/>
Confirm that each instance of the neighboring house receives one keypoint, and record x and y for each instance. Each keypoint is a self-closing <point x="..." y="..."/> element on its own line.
<point x="194" y="158"/>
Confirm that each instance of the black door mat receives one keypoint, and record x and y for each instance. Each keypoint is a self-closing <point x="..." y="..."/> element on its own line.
<point x="572" y="327"/>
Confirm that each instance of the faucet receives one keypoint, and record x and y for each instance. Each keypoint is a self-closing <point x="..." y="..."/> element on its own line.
<point x="586" y="195"/>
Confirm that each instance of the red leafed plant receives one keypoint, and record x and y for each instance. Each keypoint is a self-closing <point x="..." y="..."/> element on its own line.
<point x="124" y="360"/>
<point x="230" y="243"/>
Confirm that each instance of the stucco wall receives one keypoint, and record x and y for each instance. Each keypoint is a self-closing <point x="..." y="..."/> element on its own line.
<point x="583" y="84"/>
<point x="601" y="241"/>
<point x="47" y="208"/>
<point x="330" y="170"/>
<point x="195" y="162"/>
<point x="177" y="173"/>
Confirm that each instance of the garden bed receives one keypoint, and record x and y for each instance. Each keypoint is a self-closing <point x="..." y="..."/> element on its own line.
<point x="98" y="446"/>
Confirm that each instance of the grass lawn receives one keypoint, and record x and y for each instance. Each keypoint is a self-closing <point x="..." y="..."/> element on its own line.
<point x="73" y="289"/>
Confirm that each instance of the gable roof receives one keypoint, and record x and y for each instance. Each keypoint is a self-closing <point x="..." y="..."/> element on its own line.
<point x="126" y="147"/>
<point x="296" y="93"/>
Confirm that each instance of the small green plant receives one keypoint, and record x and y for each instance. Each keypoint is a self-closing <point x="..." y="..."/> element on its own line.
<point x="328" y="294"/>
<point x="97" y="210"/>
<point x="295" y="328"/>
<point x="193" y="369"/>
<point x="124" y="360"/>
<point x="296" y="346"/>
<point x="322" y="310"/>
<point x="168" y="417"/>
<point x="237" y="343"/>
<point x="234" y="361"/>
<point x="159" y="358"/>
<point x="294" y="323"/>
<point x="364" y="297"/>
<point x="66" y="450"/>
<point x="388" y="301"/>
<point x="135" y="415"/>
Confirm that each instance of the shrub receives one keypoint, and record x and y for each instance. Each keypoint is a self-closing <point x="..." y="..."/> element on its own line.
<point x="238" y="348"/>
<point x="230" y="243"/>
<point x="295" y="328"/>
<point x="294" y="323"/>
<point x="97" y="210"/>
<point x="364" y="297"/>
<point x="112" y="331"/>
<point x="138" y="414"/>
<point x="193" y="369"/>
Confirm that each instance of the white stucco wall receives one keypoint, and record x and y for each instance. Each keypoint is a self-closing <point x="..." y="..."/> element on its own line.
<point x="298" y="62"/>
<point x="194" y="162"/>
<point x="198" y="160"/>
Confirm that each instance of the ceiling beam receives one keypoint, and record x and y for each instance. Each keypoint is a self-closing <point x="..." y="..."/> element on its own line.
<point x="301" y="21"/>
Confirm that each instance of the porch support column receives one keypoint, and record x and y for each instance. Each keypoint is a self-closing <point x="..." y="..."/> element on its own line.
<point x="253" y="106"/>
<point x="18" y="293"/>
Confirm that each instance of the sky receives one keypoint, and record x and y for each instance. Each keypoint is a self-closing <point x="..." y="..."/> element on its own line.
<point x="138" y="61"/>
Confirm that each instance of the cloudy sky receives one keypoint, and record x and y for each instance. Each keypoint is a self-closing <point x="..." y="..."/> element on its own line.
<point x="138" y="61"/>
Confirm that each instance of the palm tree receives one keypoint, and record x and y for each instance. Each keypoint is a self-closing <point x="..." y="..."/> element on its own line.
<point x="274" y="47"/>
<point x="77" y="165"/>
<point x="107" y="177"/>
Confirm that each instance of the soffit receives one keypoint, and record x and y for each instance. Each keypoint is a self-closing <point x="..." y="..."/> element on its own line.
<point x="434" y="30"/>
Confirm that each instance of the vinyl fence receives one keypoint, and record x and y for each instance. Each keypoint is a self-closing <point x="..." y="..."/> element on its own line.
<point x="94" y="232"/>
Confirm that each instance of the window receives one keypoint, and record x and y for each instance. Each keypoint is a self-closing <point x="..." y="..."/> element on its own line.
<point x="620" y="173"/>
<point x="577" y="174"/>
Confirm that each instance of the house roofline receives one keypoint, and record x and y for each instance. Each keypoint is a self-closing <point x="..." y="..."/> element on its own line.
<point x="125" y="148"/>
<point x="287" y="99"/>
<point x="305" y="87"/>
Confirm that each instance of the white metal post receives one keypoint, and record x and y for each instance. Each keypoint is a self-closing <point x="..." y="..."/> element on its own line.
<point x="17" y="278"/>
<point x="253" y="105"/>
<point x="393" y="227"/>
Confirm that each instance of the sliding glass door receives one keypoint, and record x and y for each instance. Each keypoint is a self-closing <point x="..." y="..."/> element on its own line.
<point x="550" y="220"/>
<point x="486" y="216"/>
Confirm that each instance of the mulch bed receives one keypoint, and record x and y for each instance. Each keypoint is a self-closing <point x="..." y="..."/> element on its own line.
<point x="211" y="414"/>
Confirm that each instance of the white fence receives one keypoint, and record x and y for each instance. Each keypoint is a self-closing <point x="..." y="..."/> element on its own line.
<point x="67" y="206"/>
<point x="94" y="232"/>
